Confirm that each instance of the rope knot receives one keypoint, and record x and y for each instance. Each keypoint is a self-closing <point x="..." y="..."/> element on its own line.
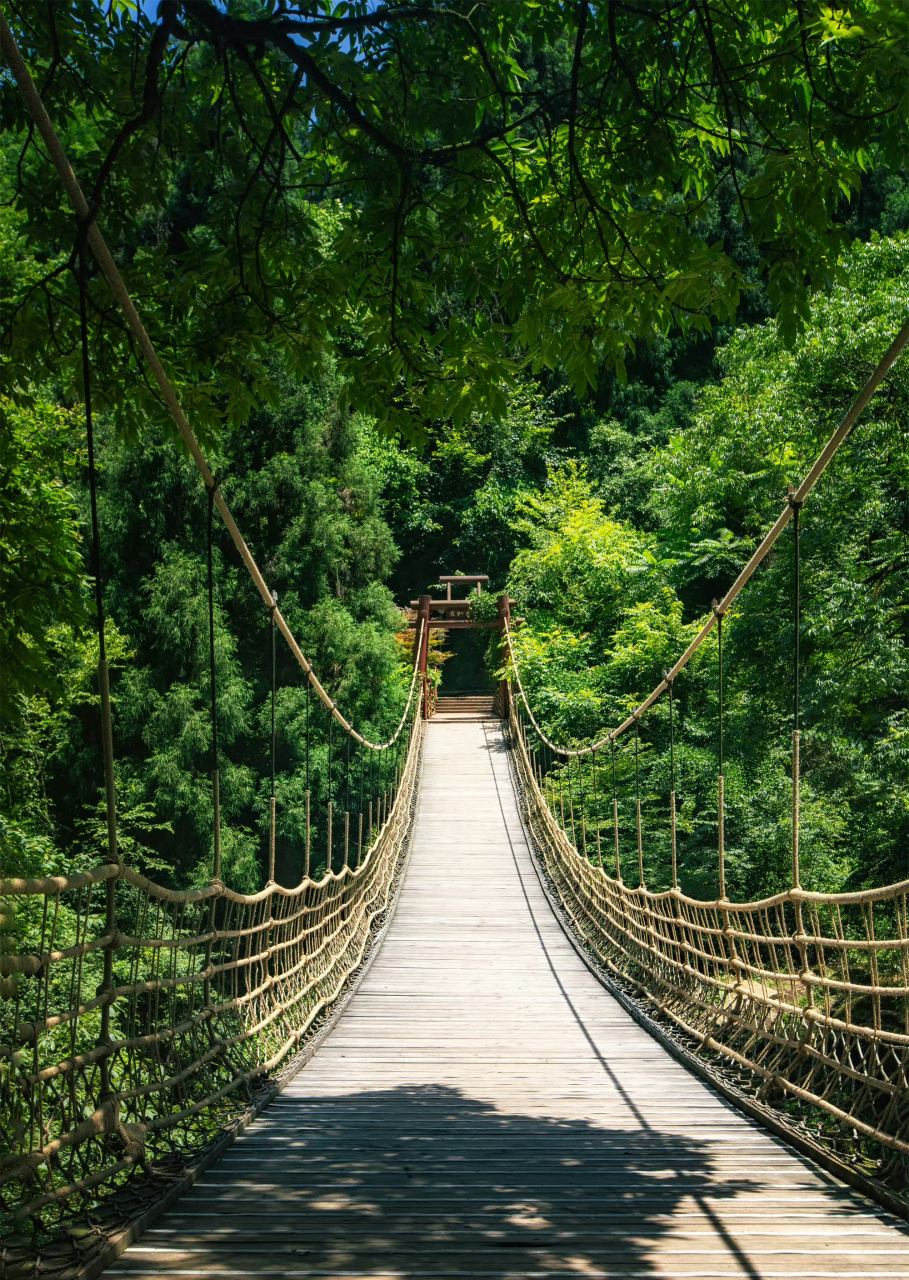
<point x="133" y="1138"/>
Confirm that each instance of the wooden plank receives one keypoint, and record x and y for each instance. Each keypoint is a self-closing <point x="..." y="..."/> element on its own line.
<point x="485" y="1108"/>
<point x="453" y="626"/>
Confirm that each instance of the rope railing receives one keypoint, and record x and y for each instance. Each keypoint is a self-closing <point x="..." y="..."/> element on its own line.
<point x="804" y="994"/>
<point x="209" y="995"/>
<point x="141" y="1024"/>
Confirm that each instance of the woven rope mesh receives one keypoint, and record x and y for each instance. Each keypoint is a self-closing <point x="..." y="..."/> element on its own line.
<point x="807" y="992"/>
<point x="213" y="993"/>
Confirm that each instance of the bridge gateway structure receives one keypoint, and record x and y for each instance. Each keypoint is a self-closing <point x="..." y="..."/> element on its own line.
<point x="454" y="614"/>
<point x="495" y="1094"/>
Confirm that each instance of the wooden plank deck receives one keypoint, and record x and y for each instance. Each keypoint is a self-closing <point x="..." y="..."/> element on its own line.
<point x="484" y="1108"/>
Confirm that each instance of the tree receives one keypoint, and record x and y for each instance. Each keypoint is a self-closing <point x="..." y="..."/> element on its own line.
<point x="609" y="608"/>
<point x="42" y="576"/>
<point x="441" y="197"/>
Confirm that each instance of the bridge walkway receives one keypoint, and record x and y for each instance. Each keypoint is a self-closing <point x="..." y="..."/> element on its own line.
<point x="485" y="1108"/>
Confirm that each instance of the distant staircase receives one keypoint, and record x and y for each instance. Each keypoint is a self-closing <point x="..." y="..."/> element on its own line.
<point x="473" y="705"/>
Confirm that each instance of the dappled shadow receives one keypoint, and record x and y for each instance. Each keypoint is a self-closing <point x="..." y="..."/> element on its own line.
<point x="430" y="1178"/>
<point x="432" y="1181"/>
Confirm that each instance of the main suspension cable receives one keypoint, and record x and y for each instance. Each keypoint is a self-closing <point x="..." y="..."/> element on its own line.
<point x="109" y="269"/>
<point x="796" y="735"/>
<point x="215" y="775"/>
<point x="794" y="502"/>
<point x="85" y="217"/>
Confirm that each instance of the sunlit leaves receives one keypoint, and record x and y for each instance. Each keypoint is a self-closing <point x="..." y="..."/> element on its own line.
<point x="42" y="571"/>
<point x="493" y="218"/>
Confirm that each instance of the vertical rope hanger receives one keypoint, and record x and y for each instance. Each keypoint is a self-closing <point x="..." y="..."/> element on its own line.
<point x="347" y="772"/>
<point x="804" y="964"/>
<point x="637" y="793"/>
<point x="675" y="868"/>
<point x="346" y="797"/>
<point x="720" y="798"/>
<point x="215" y="776"/>
<point x="329" y="814"/>
<point x="615" y="816"/>
<point x="360" y="807"/>
<point x="596" y="804"/>
<point x="306" y="854"/>
<point x="271" y="825"/>
<point x="574" y="839"/>
<point x="107" y="736"/>
<point x="372" y="790"/>
<point x="561" y="797"/>
<point x="383" y="786"/>
<point x="796" y="605"/>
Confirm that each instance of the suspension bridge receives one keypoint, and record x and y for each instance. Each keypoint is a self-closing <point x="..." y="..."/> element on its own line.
<point x="463" y="1043"/>
<point x="484" y="1106"/>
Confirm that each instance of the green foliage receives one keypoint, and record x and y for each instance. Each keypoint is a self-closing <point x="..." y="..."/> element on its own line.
<point x="309" y="505"/>
<point x="42" y="576"/>
<point x="136" y="821"/>
<point x="37" y="748"/>
<point x="580" y="568"/>
<point x="608" y="606"/>
<point x="342" y="223"/>
<point x="458" y="502"/>
<point x="440" y="198"/>
<point x="763" y="424"/>
<point x="304" y="491"/>
<point x="600" y="607"/>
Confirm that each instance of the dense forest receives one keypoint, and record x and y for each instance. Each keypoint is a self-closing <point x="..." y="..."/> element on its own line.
<point x="400" y="369"/>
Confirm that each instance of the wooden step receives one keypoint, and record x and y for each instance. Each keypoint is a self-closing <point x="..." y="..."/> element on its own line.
<point x="468" y="705"/>
<point x="465" y="702"/>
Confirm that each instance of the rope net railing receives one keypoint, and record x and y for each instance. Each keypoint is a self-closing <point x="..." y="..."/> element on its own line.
<point x="144" y="1020"/>
<point x="807" y="991"/>
<point x="803" y="996"/>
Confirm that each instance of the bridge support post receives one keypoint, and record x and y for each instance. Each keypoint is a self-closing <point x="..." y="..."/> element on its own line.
<point x="422" y="646"/>
<point x="504" y="616"/>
